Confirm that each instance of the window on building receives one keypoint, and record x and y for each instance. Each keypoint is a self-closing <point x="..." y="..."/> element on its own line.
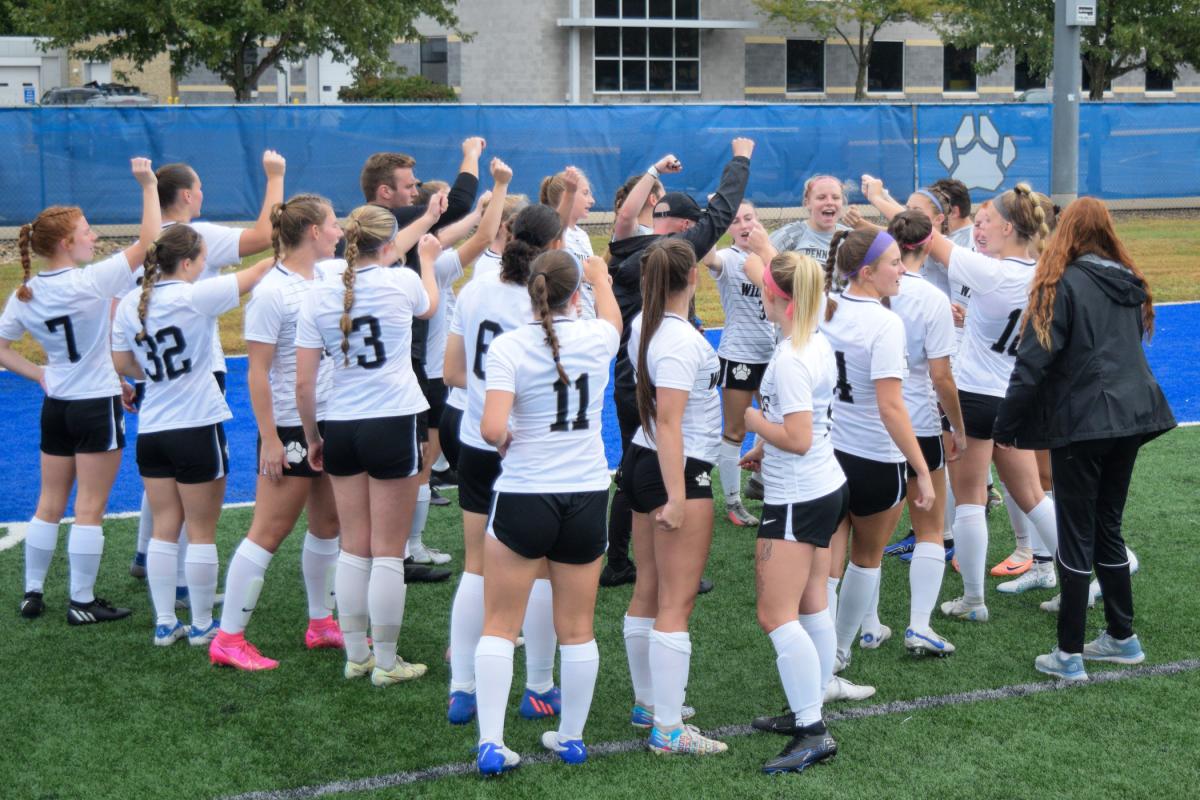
<point x="635" y="59"/>
<point x="1024" y="77"/>
<point x="885" y="72"/>
<point x="958" y="69"/>
<point x="1087" y="79"/>
<point x="1157" y="81"/>
<point x="805" y="65"/>
<point x="435" y="60"/>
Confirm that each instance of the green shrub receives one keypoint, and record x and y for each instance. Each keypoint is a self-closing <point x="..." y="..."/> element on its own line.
<point x="395" y="86"/>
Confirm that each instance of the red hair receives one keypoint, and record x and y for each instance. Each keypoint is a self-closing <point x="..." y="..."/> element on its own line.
<point x="42" y="236"/>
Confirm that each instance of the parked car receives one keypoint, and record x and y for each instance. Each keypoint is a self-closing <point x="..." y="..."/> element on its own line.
<point x="1036" y="96"/>
<point x="70" y="96"/>
<point x="98" y="94"/>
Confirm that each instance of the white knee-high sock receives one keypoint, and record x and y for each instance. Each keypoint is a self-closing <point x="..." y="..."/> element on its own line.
<point x="1045" y="524"/>
<point x="731" y="473"/>
<point x="385" y="605"/>
<point x="858" y="592"/>
<point x="925" y="583"/>
<point x="831" y="596"/>
<point x="799" y="671"/>
<point x="145" y="525"/>
<point x="494" y="666"/>
<point x="202" y="569"/>
<point x="970" y="543"/>
<point x="580" y="666"/>
<point x="540" y="638"/>
<point x="351" y="582"/>
<point x="871" y="623"/>
<point x="40" y="543"/>
<point x="1017" y="518"/>
<point x="318" y="559"/>
<point x="160" y="577"/>
<point x="948" y="530"/>
<point x="466" y="626"/>
<point x="181" y="561"/>
<point x="441" y="465"/>
<point x="420" y="515"/>
<point x="85" y="546"/>
<point x="670" y="658"/>
<point x="637" y="651"/>
<point x="243" y="582"/>
<point x="820" y="630"/>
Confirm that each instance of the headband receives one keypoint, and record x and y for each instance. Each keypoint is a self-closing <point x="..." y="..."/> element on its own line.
<point x="769" y="282"/>
<point x="933" y="198"/>
<point x="1001" y="208"/>
<point x="883" y="240"/>
<point x="917" y="245"/>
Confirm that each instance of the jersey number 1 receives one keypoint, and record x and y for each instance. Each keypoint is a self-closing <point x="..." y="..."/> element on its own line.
<point x="562" y="391"/>
<point x="842" y="385"/>
<point x="998" y="345"/>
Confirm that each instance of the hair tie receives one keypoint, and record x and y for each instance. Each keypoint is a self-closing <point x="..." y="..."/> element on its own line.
<point x="917" y="245"/>
<point x="883" y="240"/>
<point x="769" y="282"/>
<point x="933" y="198"/>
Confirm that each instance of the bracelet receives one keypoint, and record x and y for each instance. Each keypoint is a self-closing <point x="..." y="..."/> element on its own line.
<point x="652" y="171"/>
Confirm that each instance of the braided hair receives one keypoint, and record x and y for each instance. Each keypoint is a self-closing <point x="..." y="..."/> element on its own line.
<point x="292" y="218"/>
<point x="554" y="277"/>
<point x="176" y="244"/>
<point x="533" y="229"/>
<point x="368" y="229"/>
<point x="42" y="237"/>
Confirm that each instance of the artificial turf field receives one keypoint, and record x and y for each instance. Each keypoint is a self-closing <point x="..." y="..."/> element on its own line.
<point x="97" y="712"/>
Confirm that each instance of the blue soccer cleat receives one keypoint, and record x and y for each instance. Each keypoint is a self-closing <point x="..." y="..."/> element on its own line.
<point x="462" y="708"/>
<point x="540" y="706"/>
<point x="905" y="545"/>
<point x="495" y="759"/>
<point x="572" y="751"/>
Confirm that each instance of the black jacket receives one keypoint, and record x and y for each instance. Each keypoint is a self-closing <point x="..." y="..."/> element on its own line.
<point x="626" y="266"/>
<point x="1094" y="381"/>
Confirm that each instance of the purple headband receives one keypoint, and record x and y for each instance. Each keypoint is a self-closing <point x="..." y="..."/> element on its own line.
<point x="883" y="240"/>
<point x="933" y="198"/>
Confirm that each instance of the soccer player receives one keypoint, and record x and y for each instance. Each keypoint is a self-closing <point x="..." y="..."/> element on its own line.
<point x="570" y="193"/>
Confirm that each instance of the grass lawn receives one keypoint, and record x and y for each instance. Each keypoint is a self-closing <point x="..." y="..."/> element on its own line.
<point x="97" y="712"/>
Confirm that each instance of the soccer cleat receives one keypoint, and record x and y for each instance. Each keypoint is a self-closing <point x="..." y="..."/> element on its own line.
<point x="359" y="669"/>
<point x="32" y="605"/>
<point x="616" y="576"/>
<point x="99" y="610"/>
<point x="1018" y="563"/>
<point x="959" y="607"/>
<point x="908" y="557"/>
<point x="423" y="573"/>
<point x="905" y="545"/>
<point x="839" y="688"/>
<point x="643" y="716"/>
<point x="872" y="641"/>
<point x="686" y="739"/>
<point x="754" y="488"/>
<point x="198" y="637"/>
<point x="994" y="498"/>
<point x="572" y="751"/>
<point x="435" y="498"/>
<point x="1040" y="577"/>
<point x="427" y="555"/>
<point x="323" y="633"/>
<point x="443" y="479"/>
<point x="705" y="587"/>
<point x="926" y="643"/>
<point x="738" y="514"/>
<point x="137" y="567"/>
<point x="1064" y="666"/>
<point x="403" y="671"/>
<point x="183" y="601"/>
<point x="166" y="635"/>
<point x="462" y="708"/>
<point x="495" y="759"/>
<point x="232" y="650"/>
<point x="1053" y="603"/>
<point x="1114" y="651"/>
<point x="840" y="662"/>
<point x="811" y="745"/>
<point x="784" y="723"/>
<point x="538" y="706"/>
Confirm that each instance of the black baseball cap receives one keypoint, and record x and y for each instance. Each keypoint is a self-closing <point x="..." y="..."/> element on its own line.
<point x="677" y="204"/>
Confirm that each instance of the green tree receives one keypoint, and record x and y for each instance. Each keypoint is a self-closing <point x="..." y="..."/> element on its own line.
<point x="238" y="40"/>
<point x="854" y="22"/>
<point x="393" y="84"/>
<point x="10" y="22"/>
<point x="1129" y="35"/>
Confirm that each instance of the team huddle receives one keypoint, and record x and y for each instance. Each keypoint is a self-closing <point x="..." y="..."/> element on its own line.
<point x="871" y="365"/>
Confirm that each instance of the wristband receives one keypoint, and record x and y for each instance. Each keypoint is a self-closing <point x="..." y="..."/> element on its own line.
<point x="652" y="171"/>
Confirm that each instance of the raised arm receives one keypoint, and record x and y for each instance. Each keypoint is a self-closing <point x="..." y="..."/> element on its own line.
<point x="428" y="251"/>
<point x="151" y="225"/>
<point x="879" y="197"/>
<point x="595" y="272"/>
<point x="410" y="234"/>
<point x="248" y="278"/>
<point x="567" y="201"/>
<point x="489" y="225"/>
<point x="626" y="222"/>
<point x="466" y="183"/>
<point x="724" y="202"/>
<point x="455" y="232"/>
<point x="761" y="253"/>
<point x="256" y="239"/>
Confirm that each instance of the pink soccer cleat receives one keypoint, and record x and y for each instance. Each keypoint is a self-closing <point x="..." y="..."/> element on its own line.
<point x="232" y="650"/>
<point x="323" y="633"/>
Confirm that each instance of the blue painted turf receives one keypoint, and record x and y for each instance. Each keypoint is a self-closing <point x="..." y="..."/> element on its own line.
<point x="1174" y="356"/>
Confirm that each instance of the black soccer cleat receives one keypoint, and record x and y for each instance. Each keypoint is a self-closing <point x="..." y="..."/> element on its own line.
<point x="32" y="605"/>
<point x="754" y="488"/>
<point x="443" y="479"/>
<point x="99" y="610"/>
<point x="436" y="499"/>
<point x="705" y="587"/>
<point x="423" y="573"/>
<point x="618" y="575"/>
<point x="812" y="745"/>
<point x="784" y="724"/>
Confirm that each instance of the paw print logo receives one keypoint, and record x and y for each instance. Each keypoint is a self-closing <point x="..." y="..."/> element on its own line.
<point x="295" y="452"/>
<point x="703" y="479"/>
<point x="741" y="372"/>
<point x="977" y="154"/>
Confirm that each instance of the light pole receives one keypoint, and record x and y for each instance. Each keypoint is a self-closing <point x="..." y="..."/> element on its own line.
<point x="1069" y="17"/>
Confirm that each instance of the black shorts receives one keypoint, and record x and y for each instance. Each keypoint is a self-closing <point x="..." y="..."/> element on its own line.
<point x="934" y="453"/>
<point x="979" y="413"/>
<point x="295" y="448"/>
<point x="435" y="394"/>
<point x="642" y="483"/>
<point x="741" y="375"/>
<point x="95" y="425"/>
<point x="189" y="455"/>
<point x="448" y="434"/>
<point x="477" y="473"/>
<point x="570" y="528"/>
<point x="383" y="447"/>
<point x="875" y="486"/>
<point x="811" y="522"/>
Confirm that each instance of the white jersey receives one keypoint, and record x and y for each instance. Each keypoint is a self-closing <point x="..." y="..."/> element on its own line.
<point x="69" y="317"/>
<point x="486" y="265"/>
<point x="556" y="442"/>
<point x="486" y="308"/>
<point x="221" y="246"/>
<point x="868" y="345"/>
<point x="448" y="269"/>
<point x="576" y="242"/>
<point x="934" y="272"/>
<point x="959" y="294"/>
<point x="679" y="357"/>
<point x="999" y="293"/>
<point x="747" y="337"/>
<point x="799" y="237"/>
<point x="929" y="333"/>
<point x="177" y="352"/>
<point x="271" y="317"/>
<point x="374" y="378"/>
<point x="793" y="382"/>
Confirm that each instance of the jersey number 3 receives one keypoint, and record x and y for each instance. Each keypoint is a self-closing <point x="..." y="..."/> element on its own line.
<point x="373" y="340"/>
<point x="562" y="391"/>
<point x="164" y="364"/>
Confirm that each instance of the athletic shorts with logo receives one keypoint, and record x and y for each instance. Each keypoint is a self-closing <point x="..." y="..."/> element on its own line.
<point x="810" y="522"/>
<point x="642" y="482"/>
<point x="740" y="375"/>
<point x="295" y="450"/>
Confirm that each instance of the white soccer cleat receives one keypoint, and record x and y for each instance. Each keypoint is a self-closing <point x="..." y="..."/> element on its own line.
<point x="839" y="688"/>
<point x="871" y="641"/>
<point x="927" y="643"/>
<point x="1052" y="605"/>
<point x="1040" y="576"/>
<point x="959" y="607"/>
<point x="427" y="555"/>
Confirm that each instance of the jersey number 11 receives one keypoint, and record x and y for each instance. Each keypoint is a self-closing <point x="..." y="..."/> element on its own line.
<point x="562" y="391"/>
